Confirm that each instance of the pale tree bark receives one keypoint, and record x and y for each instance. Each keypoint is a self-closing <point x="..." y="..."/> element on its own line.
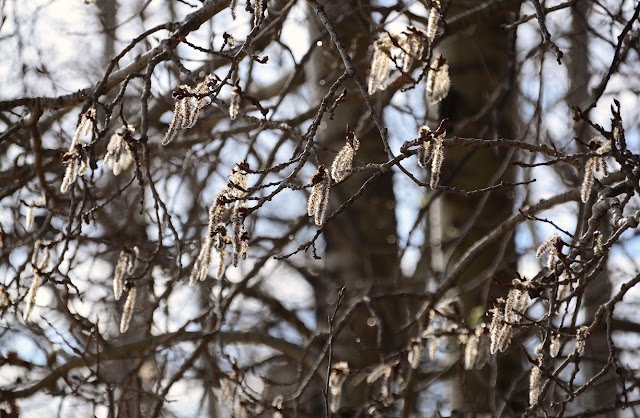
<point x="599" y="290"/>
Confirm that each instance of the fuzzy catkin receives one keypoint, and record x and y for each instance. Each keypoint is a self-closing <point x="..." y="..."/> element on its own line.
<point x="234" y="104"/>
<point x="581" y="339"/>
<point x="411" y="43"/>
<point x="118" y="275"/>
<point x="414" y="354"/>
<point x="438" y="80"/>
<point x="436" y="163"/>
<point x="188" y="103"/>
<point x="380" y="67"/>
<point x="31" y="294"/>
<point x="86" y="124"/>
<point x="432" y="24"/>
<point x="319" y="197"/>
<point x="554" y="346"/>
<point x="587" y="182"/>
<point x="339" y="374"/>
<point x="534" y="385"/>
<point x="176" y="122"/>
<point x="257" y="12"/>
<point x="30" y="211"/>
<point x="343" y="162"/>
<point x="119" y="157"/>
<point x="128" y="310"/>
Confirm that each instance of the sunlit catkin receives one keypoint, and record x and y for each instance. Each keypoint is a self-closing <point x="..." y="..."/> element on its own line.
<point x="471" y="352"/>
<point x="484" y="347"/>
<point x="118" y="274"/>
<point x="534" y="385"/>
<point x="412" y="45"/>
<point x="587" y="181"/>
<point x="41" y="256"/>
<point x="31" y="294"/>
<point x="222" y="255"/>
<point x="343" y="162"/>
<point x="188" y="103"/>
<point x="432" y="23"/>
<point x="438" y="156"/>
<point x="257" y="12"/>
<point x="77" y="160"/>
<point x="86" y="124"/>
<point x="581" y="339"/>
<point x="380" y="66"/>
<point x="496" y="327"/>
<point x="550" y="246"/>
<point x="414" y="355"/>
<point x="338" y="376"/>
<point x="234" y="103"/>
<point x="319" y="198"/>
<point x="240" y="236"/>
<point x="596" y="163"/>
<point x="277" y="405"/>
<point x="119" y="157"/>
<point x="128" y="310"/>
<point x="176" y="122"/>
<point x="438" y="81"/>
<point x="554" y="345"/>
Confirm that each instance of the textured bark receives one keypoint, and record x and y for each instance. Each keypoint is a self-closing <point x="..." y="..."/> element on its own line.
<point x="599" y="291"/>
<point x="479" y="105"/>
<point x="361" y="246"/>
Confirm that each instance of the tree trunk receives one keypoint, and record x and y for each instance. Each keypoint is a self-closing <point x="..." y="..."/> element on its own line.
<point x="479" y="105"/>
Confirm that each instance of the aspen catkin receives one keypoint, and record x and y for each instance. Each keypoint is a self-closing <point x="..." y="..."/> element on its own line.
<point x="128" y="310"/>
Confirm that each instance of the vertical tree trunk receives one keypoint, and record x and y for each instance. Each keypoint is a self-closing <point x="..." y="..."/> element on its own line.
<point x="479" y="105"/>
<point x="599" y="290"/>
<point x="361" y="246"/>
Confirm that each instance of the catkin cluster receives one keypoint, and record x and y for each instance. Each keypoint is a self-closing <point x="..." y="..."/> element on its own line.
<point x="438" y="81"/>
<point x="77" y="161"/>
<point x="595" y="163"/>
<point x="119" y="157"/>
<point x="189" y="103"/>
<point x="344" y="160"/>
<point x="431" y="150"/>
<point x="87" y="122"/>
<point x="477" y="350"/>
<point x="382" y="374"/>
<point x="501" y="328"/>
<point x="552" y="246"/>
<point x="77" y="158"/>
<point x="319" y="197"/>
<point x="217" y="231"/>
<point x="412" y="45"/>
<point x="408" y="46"/>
